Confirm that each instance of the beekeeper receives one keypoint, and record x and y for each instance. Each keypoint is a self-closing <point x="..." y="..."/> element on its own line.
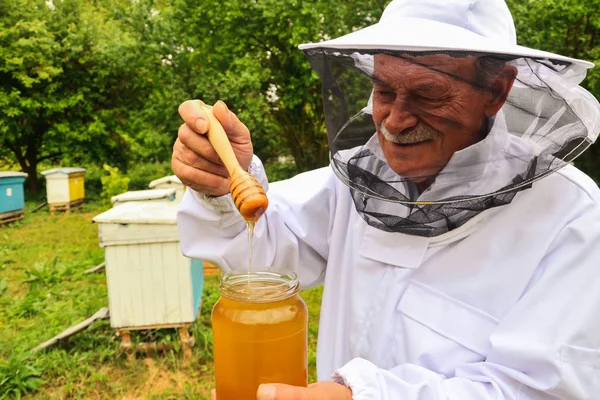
<point x="458" y="248"/>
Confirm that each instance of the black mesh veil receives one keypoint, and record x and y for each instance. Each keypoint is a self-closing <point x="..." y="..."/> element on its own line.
<point x="545" y="122"/>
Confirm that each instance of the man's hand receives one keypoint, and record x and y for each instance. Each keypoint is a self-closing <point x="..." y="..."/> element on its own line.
<point x="316" y="391"/>
<point x="194" y="159"/>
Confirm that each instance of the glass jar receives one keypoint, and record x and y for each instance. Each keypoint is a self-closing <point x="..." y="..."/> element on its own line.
<point x="260" y="329"/>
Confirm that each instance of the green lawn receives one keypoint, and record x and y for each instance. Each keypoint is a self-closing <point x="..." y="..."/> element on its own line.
<point x="43" y="291"/>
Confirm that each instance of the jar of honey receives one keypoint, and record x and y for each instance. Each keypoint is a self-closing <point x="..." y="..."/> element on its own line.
<point x="260" y="333"/>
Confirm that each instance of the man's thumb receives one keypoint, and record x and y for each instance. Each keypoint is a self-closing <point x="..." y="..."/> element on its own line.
<point x="278" y="391"/>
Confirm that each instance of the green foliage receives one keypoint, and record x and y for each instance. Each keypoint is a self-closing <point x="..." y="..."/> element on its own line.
<point x="282" y="168"/>
<point x="19" y="375"/>
<point x="93" y="180"/>
<point x="108" y="75"/>
<point x="570" y="28"/>
<point x="113" y="183"/>
<point x="70" y="75"/>
<point x="142" y="174"/>
<point x="252" y="62"/>
<point x="45" y="273"/>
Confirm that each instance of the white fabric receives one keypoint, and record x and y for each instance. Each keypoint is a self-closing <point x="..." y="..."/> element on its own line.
<point x="483" y="26"/>
<point x="508" y="310"/>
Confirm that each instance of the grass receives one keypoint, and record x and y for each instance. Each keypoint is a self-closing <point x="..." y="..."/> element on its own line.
<point x="43" y="291"/>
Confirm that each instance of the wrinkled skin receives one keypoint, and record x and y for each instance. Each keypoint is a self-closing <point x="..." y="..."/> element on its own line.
<point x="428" y="108"/>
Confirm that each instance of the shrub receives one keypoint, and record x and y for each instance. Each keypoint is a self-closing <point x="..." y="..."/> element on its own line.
<point x="93" y="181"/>
<point x="282" y="168"/>
<point x="141" y="174"/>
<point x="113" y="183"/>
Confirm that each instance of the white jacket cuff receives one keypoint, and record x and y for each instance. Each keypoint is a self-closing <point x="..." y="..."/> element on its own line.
<point x="407" y="382"/>
<point x="362" y="377"/>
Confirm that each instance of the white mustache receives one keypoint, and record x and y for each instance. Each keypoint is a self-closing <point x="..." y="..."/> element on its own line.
<point x="418" y="134"/>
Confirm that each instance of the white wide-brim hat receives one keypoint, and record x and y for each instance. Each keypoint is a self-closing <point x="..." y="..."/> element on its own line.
<point x="479" y="26"/>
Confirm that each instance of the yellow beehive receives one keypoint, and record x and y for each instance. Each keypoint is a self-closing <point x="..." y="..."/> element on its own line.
<point x="64" y="187"/>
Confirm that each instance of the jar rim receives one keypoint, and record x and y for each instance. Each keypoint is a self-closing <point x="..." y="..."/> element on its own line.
<point x="260" y="286"/>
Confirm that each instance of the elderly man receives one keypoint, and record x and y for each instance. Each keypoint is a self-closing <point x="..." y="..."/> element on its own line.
<point x="457" y="247"/>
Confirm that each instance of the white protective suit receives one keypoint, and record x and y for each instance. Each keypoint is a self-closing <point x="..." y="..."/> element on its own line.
<point x="505" y="307"/>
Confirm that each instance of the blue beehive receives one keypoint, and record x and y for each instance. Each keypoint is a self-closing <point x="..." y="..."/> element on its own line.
<point x="12" y="198"/>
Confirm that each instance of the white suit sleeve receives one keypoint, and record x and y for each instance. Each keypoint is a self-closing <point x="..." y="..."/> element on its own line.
<point x="546" y="347"/>
<point x="292" y="234"/>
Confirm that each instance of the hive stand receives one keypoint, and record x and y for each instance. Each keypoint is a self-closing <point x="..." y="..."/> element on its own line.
<point x="148" y="348"/>
<point x="11" y="216"/>
<point x="66" y="207"/>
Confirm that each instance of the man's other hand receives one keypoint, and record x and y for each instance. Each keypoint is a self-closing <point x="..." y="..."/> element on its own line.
<point x="316" y="391"/>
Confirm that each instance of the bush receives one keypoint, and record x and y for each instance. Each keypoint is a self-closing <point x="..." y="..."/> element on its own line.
<point x="93" y="180"/>
<point x="113" y="183"/>
<point x="141" y="175"/>
<point x="280" y="169"/>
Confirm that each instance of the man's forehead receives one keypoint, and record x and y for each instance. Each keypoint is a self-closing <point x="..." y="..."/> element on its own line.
<point x="443" y="63"/>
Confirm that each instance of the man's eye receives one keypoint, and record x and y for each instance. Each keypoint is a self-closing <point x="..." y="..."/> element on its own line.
<point x="428" y="96"/>
<point x="385" y="95"/>
<point x="430" y="92"/>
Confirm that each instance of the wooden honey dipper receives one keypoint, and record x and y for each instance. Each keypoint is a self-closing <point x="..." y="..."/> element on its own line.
<point x="247" y="194"/>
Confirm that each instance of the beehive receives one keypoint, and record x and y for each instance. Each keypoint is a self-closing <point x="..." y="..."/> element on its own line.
<point x="160" y="195"/>
<point x="150" y="283"/>
<point x="169" y="182"/>
<point x="12" y="197"/>
<point x="65" y="188"/>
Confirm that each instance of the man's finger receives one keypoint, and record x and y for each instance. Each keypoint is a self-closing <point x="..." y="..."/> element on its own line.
<point x="324" y="390"/>
<point x="201" y="156"/>
<point x="278" y="391"/>
<point x="191" y="159"/>
<point x="191" y="112"/>
<point x="201" y="181"/>
<point x="213" y="394"/>
<point x="236" y="131"/>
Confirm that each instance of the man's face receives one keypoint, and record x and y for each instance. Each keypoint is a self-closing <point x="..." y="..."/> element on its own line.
<point x="424" y="116"/>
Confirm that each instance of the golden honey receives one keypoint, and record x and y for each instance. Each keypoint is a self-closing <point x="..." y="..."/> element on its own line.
<point x="260" y="333"/>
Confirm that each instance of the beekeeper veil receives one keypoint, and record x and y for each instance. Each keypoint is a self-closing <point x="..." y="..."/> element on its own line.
<point x="435" y="114"/>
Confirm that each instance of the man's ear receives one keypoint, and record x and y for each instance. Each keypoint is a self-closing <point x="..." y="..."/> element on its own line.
<point x="500" y="89"/>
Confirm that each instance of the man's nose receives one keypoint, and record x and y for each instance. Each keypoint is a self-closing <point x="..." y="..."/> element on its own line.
<point x="401" y="116"/>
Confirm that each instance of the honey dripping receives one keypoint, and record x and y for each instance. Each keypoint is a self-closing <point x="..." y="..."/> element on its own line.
<point x="250" y="228"/>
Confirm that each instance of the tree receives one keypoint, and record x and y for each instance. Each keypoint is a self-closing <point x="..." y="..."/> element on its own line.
<point x="247" y="55"/>
<point x="95" y="81"/>
<point x="67" y="75"/>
